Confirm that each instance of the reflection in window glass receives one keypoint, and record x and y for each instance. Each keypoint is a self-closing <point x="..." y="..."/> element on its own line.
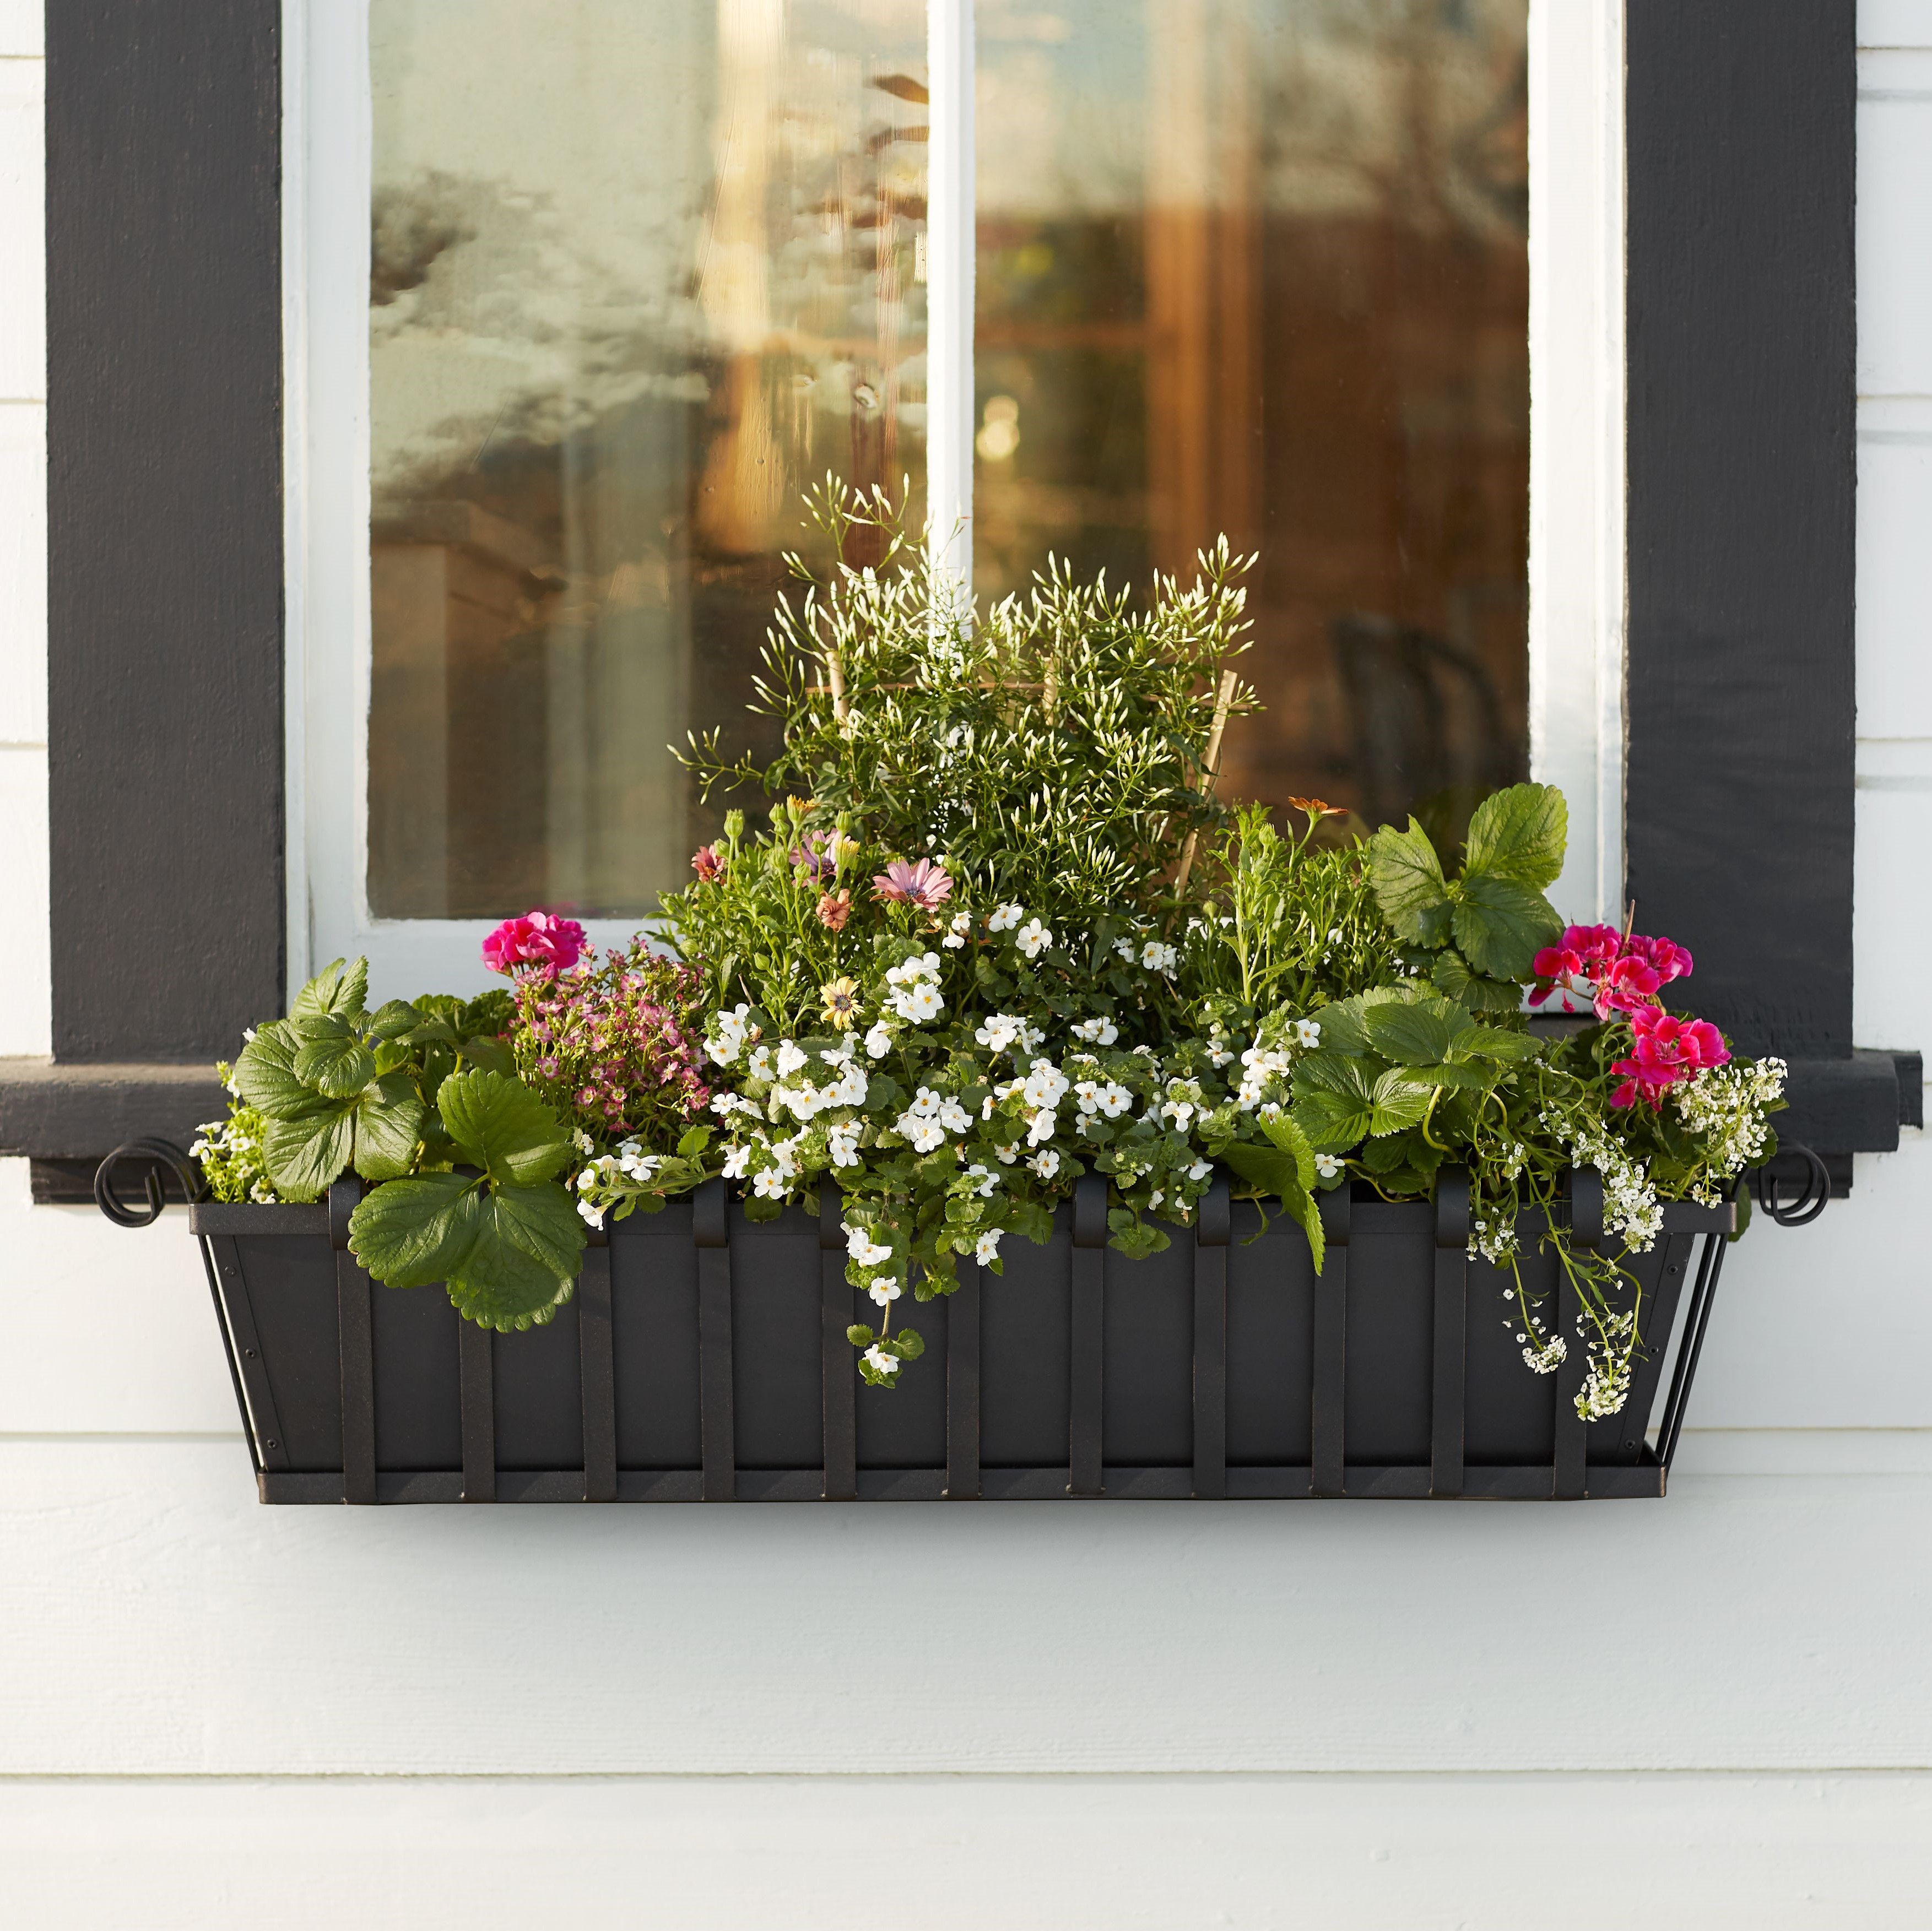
<point x="639" y="274"/>
<point x="1260" y="266"/>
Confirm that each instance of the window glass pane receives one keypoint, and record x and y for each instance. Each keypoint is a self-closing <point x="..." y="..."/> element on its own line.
<point x="1260" y="266"/>
<point x="641" y="272"/>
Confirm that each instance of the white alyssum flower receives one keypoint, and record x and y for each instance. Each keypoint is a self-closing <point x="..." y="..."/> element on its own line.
<point x="1033" y="938"/>
<point x="876" y="1358"/>
<point x="1156" y="957"/>
<point x="1005" y="918"/>
<point x="1727" y="1108"/>
<point x="1096" y="1031"/>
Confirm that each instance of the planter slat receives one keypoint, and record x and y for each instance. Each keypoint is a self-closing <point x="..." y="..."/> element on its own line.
<point x="1087" y="1337"/>
<point x="597" y="1381"/>
<point x="1211" y="1346"/>
<point x="703" y="1357"/>
<point x="838" y="1379"/>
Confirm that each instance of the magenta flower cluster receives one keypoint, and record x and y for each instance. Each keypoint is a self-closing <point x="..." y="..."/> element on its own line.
<point x="618" y="1047"/>
<point x="538" y="942"/>
<point x="1620" y="974"/>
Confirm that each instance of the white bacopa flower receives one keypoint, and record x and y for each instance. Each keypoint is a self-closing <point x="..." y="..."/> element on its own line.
<point x="1041" y="1126"/>
<point x="735" y="1161"/>
<point x="1219" y="1055"/>
<point x="1200" y="1170"/>
<point x="1308" y="1034"/>
<point x="1327" y="1166"/>
<point x="1045" y="1084"/>
<point x="1114" y="1099"/>
<point x="1125" y="947"/>
<point x="759" y="1066"/>
<point x="841" y="1146"/>
<point x="918" y="1003"/>
<point x="878" y="1042"/>
<point x="1181" y="1111"/>
<point x="1097" y="1032"/>
<point x="999" y="1031"/>
<point x="955" y="1118"/>
<point x="769" y="1183"/>
<point x="583" y="1142"/>
<point x="1006" y="919"/>
<point x="986" y="1248"/>
<point x="1046" y="1163"/>
<point x="883" y="1363"/>
<point x="987" y="1180"/>
<point x="884" y="1290"/>
<point x="1033" y="938"/>
<point x="594" y="1215"/>
<point x="850" y="1089"/>
<point x="586" y="1180"/>
<point x="731" y="1028"/>
<point x="1156" y="957"/>
<point x="863" y="1248"/>
<point x="791" y="1059"/>
<point x="1006" y="1155"/>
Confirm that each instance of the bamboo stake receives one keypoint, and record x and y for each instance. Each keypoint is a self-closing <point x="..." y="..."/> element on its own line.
<point x="1210" y="773"/>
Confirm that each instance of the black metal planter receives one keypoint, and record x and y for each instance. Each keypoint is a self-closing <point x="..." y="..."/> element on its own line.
<point x="703" y="1358"/>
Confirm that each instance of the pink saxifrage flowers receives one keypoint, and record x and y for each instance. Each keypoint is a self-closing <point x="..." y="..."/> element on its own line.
<point x="539" y="941"/>
<point x="924" y="885"/>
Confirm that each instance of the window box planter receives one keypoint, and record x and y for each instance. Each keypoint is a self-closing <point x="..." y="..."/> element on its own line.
<point x="703" y="1358"/>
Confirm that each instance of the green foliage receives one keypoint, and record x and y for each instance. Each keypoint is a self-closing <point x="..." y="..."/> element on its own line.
<point x="229" y="1150"/>
<point x="505" y="1238"/>
<point x="1477" y="933"/>
<point x="1053" y="748"/>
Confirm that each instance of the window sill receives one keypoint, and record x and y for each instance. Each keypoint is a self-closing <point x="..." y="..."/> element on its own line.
<point x="67" y="1118"/>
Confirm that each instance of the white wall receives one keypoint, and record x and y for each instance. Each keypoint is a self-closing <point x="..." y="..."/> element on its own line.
<point x="1714" y="1711"/>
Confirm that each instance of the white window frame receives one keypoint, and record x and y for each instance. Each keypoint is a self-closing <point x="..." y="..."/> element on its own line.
<point x="1576" y="559"/>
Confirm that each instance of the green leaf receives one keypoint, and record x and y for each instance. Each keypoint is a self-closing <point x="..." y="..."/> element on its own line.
<point x="1398" y="1104"/>
<point x="1407" y="877"/>
<point x="1306" y="1210"/>
<point x="503" y="1127"/>
<point x="489" y="1055"/>
<point x="1519" y="834"/>
<point x="1270" y="1169"/>
<point x="334" y="989"/>
<point x="389" y="1124"/>
<point x="1495" y="1042"/>
<point x="1282" y="1130"/>
<point x="1501" y="924"/>
<point x="528" y="1243"/>
<point x="693" y="1141"/>
<point x="266" y="1072"/>
<point x="413" y="1233"/>
<point x="1420" y="1033"/>
<point x="1332" y="1122"/>
<point x="390" y="1021"/>
<point x="1334" y="1072"/>
<point x="306" y="1150"/>
<point x="330" y="1058"/>
<point x="1473" y="1079"/>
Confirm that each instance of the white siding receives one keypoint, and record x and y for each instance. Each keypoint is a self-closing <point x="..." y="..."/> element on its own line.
<point x="1716" y="1711"/>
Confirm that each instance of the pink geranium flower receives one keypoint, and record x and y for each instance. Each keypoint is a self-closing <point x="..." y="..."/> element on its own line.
<point x="1625" y="985"/>
<point x="1664" y="957"/>
<point x="1665" y="1049"/>
<point x="924" y="885"/>
<point x="539" y="940"/>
